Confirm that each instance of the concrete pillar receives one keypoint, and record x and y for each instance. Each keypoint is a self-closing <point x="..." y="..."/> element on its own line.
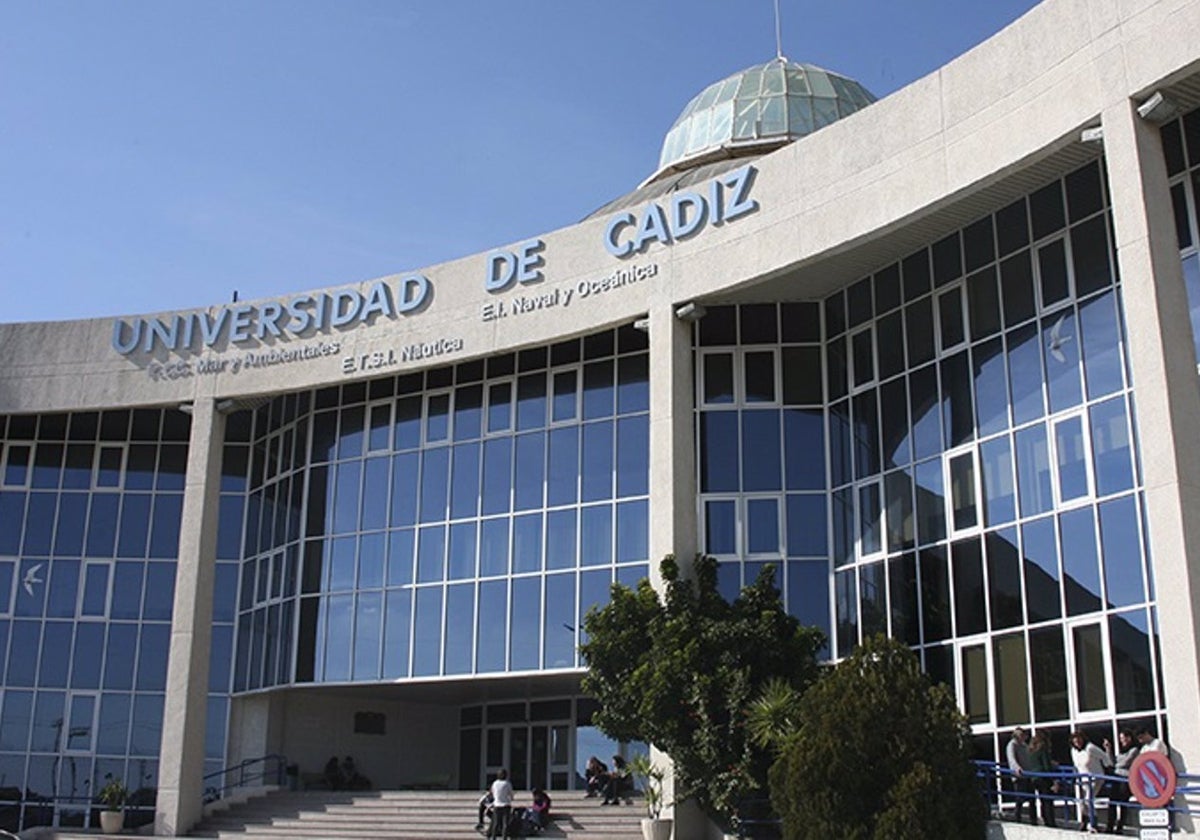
<point x="672" y="440"/>
<point x="673" y="489"/>
<point x="181" y="757"/>
<point x="1167" y="400"/>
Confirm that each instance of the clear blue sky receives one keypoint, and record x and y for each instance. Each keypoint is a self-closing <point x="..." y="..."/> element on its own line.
<point x="159" y="155"/>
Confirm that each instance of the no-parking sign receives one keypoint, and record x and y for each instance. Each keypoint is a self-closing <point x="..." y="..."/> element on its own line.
<point x="1152" y="779"/>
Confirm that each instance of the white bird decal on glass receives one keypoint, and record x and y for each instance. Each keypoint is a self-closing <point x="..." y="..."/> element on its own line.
<point x="1057" y="340"/>
<point x="31" y="578"/>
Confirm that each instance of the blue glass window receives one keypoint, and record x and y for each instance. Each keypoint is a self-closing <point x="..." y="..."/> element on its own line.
<point x="720" y="526"/>
<point x="407" y="425"/>
<point x="531" y="401"/>
<point x="499" y="416"/>
<point x="340" y="566"/>
<point x="596" y="479"/>
<point x="991" y="387"/>
<point x="633" y="456"/>
<point x="527" y="543"/>
<point x="405" y="471"/>
<point x="530" y="470"/>
<point x="370" y="564"/>
<point x="633" y="531"/>
<point x="560" y="622"/>
<point x="595" y="535"/>
<point x="1100" y="333"/>
<point x="468" y="412"/>
<point x="762" y="526"/>
<point x="497" y="475"/>
<point x="1033" y="471"/>
<point x="806" y="526"/>
<point x="400" y="557"/>
<point x="804" y="449"/>
<point x="633" y="384"/>
<point x="1110" y="447"/>
<point x="435" y="468"/>
<point x="460" y="628"/>
<point x="1000" y="498"/>
<point x="1071" y="458"/>
<point x="491" y="631"/>
<point x="375" y="493"/>
<point x="593" y="592"/>
<point x="719" y="452"/>
<point x="562" y="476"/>
<point x="464" y="483"/>
<point x="15" y="720"/>
<point x="1061" y="342"/>
<point x="762" y="459"/>
<point x="89" y="653"/>
<point x="396" y="633"/>
<point x="560" y="539"/>
<point x="493" y="547"/>
<point x="368" y="626"/>
<point x="524" y="648"/>
<point x="565" y="405"/>
<point x="427" y="632"/>
<point x="1121" y="546"/>
<point x="437" y="417"/>
<point x="1081" y="565"/>
<point x="431" y="551"/>
<point x="56" y="653"/>
<point x="462" y="550"/>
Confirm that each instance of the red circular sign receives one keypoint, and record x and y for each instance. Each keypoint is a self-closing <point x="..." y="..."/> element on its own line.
<point x="1152" y="779"/>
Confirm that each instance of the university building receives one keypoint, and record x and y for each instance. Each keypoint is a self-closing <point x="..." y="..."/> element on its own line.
<point x="933" y="356"/>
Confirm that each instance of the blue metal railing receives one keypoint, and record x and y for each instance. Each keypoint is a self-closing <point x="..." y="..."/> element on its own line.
<point x="266" y="770"/>
<point x="1077" y="791"/>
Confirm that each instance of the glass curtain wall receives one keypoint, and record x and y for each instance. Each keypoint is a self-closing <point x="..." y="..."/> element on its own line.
<point x="90" y="506"/>
<point x="1181" y="147"/>
<point x="451" y="522"/>
<point x="956" y="453"/>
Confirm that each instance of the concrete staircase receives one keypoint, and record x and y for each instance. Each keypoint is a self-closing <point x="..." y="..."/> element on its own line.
<point x="405" y="815"/>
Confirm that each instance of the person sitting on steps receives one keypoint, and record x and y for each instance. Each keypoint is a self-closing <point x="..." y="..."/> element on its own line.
<point x="618" y="780"/>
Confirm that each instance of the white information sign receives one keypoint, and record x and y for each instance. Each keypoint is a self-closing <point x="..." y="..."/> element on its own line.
<point x="1154" y="817"/>
<point x="1154" y="834"/>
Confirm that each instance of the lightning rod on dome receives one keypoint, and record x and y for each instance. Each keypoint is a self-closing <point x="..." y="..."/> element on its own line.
<point x="778" y="35"/>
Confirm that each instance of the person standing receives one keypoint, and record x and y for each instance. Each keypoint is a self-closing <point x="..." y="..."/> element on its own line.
<point x="502" y="801"/>
<point x="1041" y="762"/>
<point x="1090" y="762"/>
<point x="1127" y="751"/>
<point x="1017" y="753"/>
<point x="1151" y="743"/>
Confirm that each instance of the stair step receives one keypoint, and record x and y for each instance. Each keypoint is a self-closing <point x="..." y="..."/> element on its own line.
<point x="402" y="815"/>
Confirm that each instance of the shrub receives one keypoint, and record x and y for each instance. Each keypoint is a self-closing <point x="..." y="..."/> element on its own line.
<point x="681" y="672"/>
<point x="881" y="754"/>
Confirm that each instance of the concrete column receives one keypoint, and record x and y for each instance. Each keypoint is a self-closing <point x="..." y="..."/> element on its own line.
<point x="673" y="489"/>
<point x="1168" y="403"/>
<point x="672" y="440"/>
<point x="181" y="757"/>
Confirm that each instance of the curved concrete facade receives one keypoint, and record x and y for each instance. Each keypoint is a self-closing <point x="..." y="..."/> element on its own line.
<point x="799" y="225"/>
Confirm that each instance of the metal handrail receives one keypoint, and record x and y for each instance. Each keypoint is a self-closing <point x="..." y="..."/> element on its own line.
<point x="1092" y="783"/>
<point x="267" y="769"/>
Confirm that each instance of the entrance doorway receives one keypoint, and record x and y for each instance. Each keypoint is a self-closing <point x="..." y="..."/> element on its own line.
<point x="536" y="755"/>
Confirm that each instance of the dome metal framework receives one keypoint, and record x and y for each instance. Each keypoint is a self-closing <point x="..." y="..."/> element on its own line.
<point x="765" y="105"/>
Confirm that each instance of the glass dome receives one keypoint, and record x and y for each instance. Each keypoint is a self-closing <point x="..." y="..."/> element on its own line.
<point x="772" y="103"/>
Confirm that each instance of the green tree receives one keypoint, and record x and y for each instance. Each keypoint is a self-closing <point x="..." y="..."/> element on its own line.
<point x="681" y="672"/>
<point x="881" y="754"/>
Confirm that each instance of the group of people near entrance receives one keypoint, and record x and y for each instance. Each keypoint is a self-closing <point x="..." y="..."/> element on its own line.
<point x="502" y="818"/>
<point x="1029" y="761"/>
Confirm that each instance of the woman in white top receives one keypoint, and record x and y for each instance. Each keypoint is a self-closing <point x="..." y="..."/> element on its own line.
<point x="1089" y="760"/>
<point x="502" y="800"/>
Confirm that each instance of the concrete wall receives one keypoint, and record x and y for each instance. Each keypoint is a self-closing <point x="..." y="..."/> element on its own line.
<point x="310" y="725"/>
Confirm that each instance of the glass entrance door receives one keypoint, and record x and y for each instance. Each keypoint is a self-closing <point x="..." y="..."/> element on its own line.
<point x="535" y="755"/>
